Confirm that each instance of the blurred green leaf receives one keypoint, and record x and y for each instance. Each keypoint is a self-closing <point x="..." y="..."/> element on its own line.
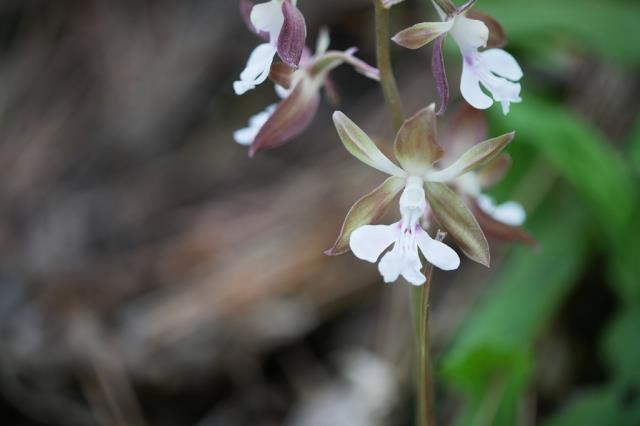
<point x="621" y="347"/>
<point x="607" y="406"/>
<point x="580" y="154"/>
<point x="624" y="266"/>
<point x="494" y="348"/>
<point x="607" y="26"/>
<point x="634" y="148"/>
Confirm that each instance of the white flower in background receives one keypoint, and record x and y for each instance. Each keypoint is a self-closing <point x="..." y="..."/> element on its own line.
<point x="492" y="70"/>
<point x="247" y="135"/>
<point x="500" y="222"/>
<point x="407" y="236"/>
<point x="510" y="212"/>
<point x="282" y="26"/>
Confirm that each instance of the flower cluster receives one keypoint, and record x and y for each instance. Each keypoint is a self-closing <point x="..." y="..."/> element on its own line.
<point x="440" y="184"/>
<point x="297" y="83"/>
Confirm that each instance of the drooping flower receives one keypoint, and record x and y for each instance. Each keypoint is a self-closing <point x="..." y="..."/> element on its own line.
<point x="425" y="190"/>
<point x="300" y="93"/>
<point x="492" y="68"/>
<point x="498" y="221"/>
<point x="282" y="26"/>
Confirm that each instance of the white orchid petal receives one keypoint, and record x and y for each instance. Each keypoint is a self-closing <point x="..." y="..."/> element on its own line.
<point x="247" y="135"/>
<point x="437" y="253"/>
<point x="282" y="92"/>
<point x="511" y="212"/>
<point x="470" y="86"/>
<point x="412" y="269"/>
<point x="268" y="17"/>
<point x="369" y="241"/>
<point x="257" y="69"/>
<point x="502" y="63"/>
<point x="390" y="266"/>
<point x="469" y="34"/>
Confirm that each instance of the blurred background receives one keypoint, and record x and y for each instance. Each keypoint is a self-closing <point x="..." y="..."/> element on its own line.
<point x="152" y="274"/>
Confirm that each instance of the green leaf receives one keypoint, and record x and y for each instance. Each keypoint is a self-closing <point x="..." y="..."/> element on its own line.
<point x="607" y="27"/>
<point x="621" y="346"/>
<point x="456" y="218"/>
<point x="581" y="155"/>
<point x="496" y="343"/>
<point x="598" y="407"/>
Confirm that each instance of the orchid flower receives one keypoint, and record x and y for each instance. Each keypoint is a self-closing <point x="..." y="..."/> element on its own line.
<point x="424" y="190"/>
<point x="498" y="221"/>
<point x="493" y="68"/>
<point x="299" y="90"/>
<point x="282" y="26"/>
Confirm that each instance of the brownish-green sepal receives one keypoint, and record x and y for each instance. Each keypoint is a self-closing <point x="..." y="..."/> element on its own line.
<point x="291" y="117"/>
<point x="446" y="6"/>
<point x="416" y="146"/>
<point x="366" y="210"/>
<point x="421" y="34"/>
<point x="477" y="156"/>
<point x="281" y="74"/>
<point x="454" y="216"/>
<point x="496" y="230"/>
<point x="362" y="147"/>
<point x="493" y="172"/>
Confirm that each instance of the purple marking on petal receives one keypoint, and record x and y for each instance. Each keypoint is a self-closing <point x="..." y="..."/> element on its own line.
<point x="439" y="73"/>
<point x="292" y="36"/>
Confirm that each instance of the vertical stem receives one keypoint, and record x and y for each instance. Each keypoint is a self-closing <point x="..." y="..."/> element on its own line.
<point x="424" y="409"/>
<point x="424" y="383"/>
<point x="387" y="79"/>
